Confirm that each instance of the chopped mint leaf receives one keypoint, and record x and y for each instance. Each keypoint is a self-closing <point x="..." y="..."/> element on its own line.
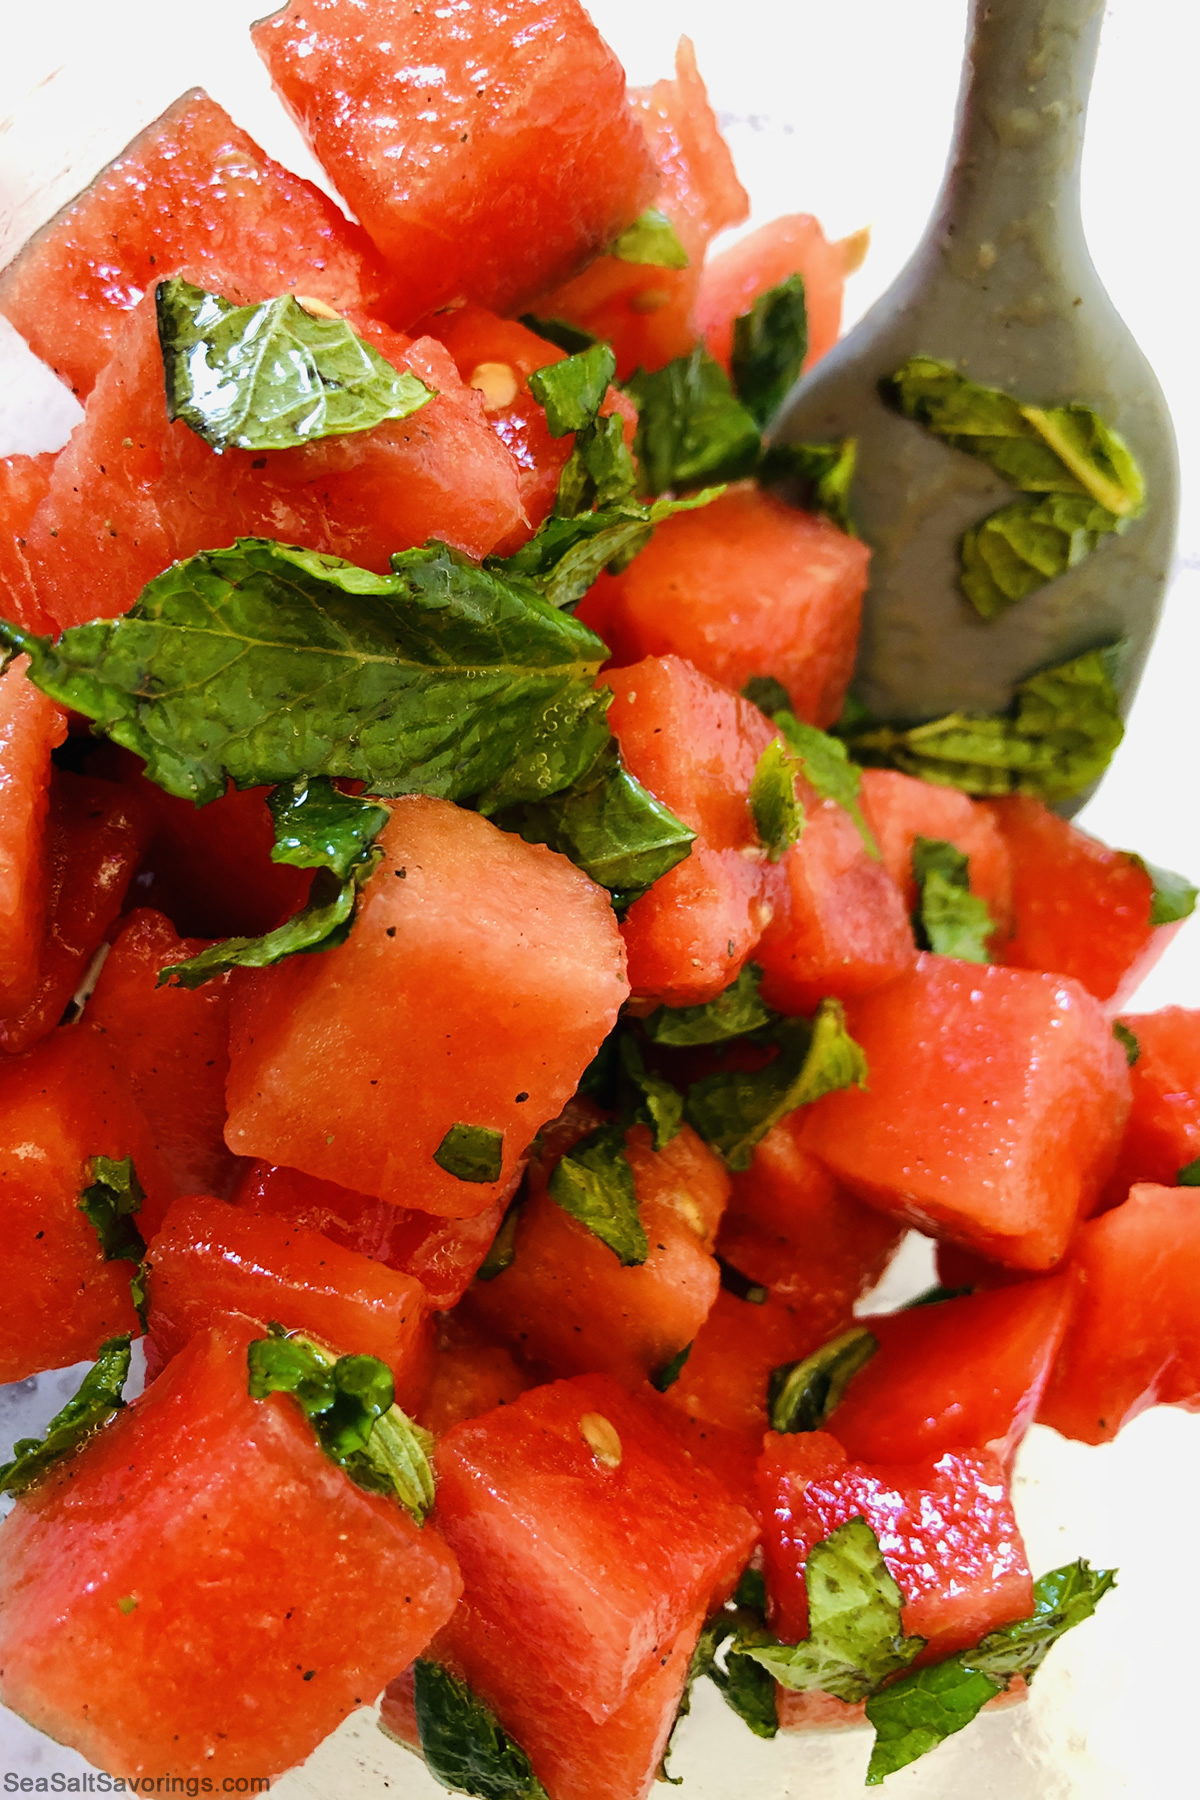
<point x="600" y="471"/>
<point x="1018" y="549"/>
<point x="670" y="1372"/>
<point x="692" y="429"/>
<point x="949" y="919"/>
<point x="751" y="1590"/>
<point x="1128" y="1042"/>
<point x="745" y="1686"/>
<point x="651" y="239"/>
<point x="856" y="1637"/>
<point x="770" y="343"/>
<point x="463" y="1742"/>
<point x="933" y="1296"/>
<point x="1062" y="1599"/>
<point x="823" y="473"/>
<point x="1056" y="738"/>
<point x="566" y="554"/>
<point x="503" y="1246"/>
<point x="658" y="1104"/>
<point x="734" y="1282"/>
<point x="826" y="766"/>
<point x="98" y="1398"/>
<point x="770" y="696"/>
<point x="572" y="391"/>
<point x="594" y="1183"/>
<point x="321" y="924"/>
<point x="272" y="376"/>
<point x="802" y="1395"/>
<point x="110" y="1202"/>
<point x="777" y="812"/>
<point x="734" y="1013"/>
<point x="319" y="827"/>
<point x="471" y="1153"/>
<point x="565" y="336"/>
<point x="733" y="1110"/>
<point x="1174" y="895"/>
<point x="1189" y="1175"/>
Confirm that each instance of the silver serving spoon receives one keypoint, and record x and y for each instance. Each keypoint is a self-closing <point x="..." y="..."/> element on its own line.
<point x="1003" y="287"/>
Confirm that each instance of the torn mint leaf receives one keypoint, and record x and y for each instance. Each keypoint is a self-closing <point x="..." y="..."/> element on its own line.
<point x="692" y="429"/>
<point x="777" y="811"/>
<point x="594" y="1184"/>
<point x="463" y="1742"/>
<point x="801" y="1395"/>
<point x="652" y="240"/>
<point x="949" y="919"/>
<point x="573" y="391"/>
<point x="770" y="343"/>
<point x="734" y="1013"/>
<point x="319" y="827"/>
<point x="98" y="1398"/>
<point x="823" y="474"/>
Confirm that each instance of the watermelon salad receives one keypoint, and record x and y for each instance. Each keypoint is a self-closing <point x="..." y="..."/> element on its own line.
<point x="481" y="1005"/>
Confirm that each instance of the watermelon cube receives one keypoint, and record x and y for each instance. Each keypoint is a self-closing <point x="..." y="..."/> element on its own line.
<point x="746" y="586"/>
<point x="945" y="1526"/>
<point x="192" y="193"/>
<point x="900" y="809"/>
<point x="1163" y="1133"/>
<point x="724" y="1380"/>
<point x="587" y="1538"/>
<point x="487" y="148"/>
<point x="470" y="1375"/>
<point x="481" y="977"/>
<point x="30" y="728"/>
<point x="201" y="1589"/>
<point x="994" y="1107"/>
<point x="24" y="483"/>
<point x="793" y="245"/>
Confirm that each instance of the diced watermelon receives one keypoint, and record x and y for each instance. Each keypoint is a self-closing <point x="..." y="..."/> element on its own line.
<point x="486" y="146"/>
<point x="1079" y="908"/>
<point x="24" y="483"/>
<point x="1133" y="1340"/>
<point x="900" y="809"/>
<point x="724" y="1380"/>
<point x="566" y="1301"/>
<point x="97" y="834"/>
<point x="945" y="1526"/>
<point x="231" y="1594"/>
<point x="960" y="1372"/>
<point x="61" y="1105"/>
<point x="470" y="1375"/>
<point x="1163" y="1133"/>
<point x="192" y="193"/>
<point x="647" y="312"/>
<point x="746" y="586"/>
<point x="696" y="746"/>
<point x="816" y="1711"/>
<point x="731" y="1455"/>
<point x="30" y="727"/>
<point x="132" y="493"/>
<point x="995" y="1103"/>
<point x="793" y="245"/>
<point x="211" y="1259"/>
<point x="353" y="1065"/>
<point x="173" y="1044"/>
<point x="585" y="1536"/>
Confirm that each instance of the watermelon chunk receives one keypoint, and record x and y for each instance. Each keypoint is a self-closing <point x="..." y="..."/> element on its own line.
<point x="353" y="1065"/>
<point x="470" y="1375"/>
<point x="900" y="809"/>
<point x="191" y="193"/>
<point x="746" y="586"/>
<point x="724" y="1381"/>
<point x="945" y="1526"/>
<point x="1163" y="1133"/>
<point x="24" y="483"/>
<point x="592" y="1553"/>
<point x="487" y="148"/>
<point x="994" y="1109"/>
<point x="30" y="727"/>
<point x="232" y="1595"/>
<point x="793" y="245"/>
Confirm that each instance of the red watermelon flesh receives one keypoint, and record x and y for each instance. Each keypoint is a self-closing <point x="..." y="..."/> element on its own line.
<point x="724" y="1380"/>
<point x="793" y="245"/>
<point x="900" y="809"/>
<point x="354" y="1065"/>
<point x="24" y="483"/>
<point x="193" y="193"/>
<point x="746" y="586"/>
<point x="945" y="1527"/>
<point x="1163" y="1133"/>
<point x="201" y="1590"/>
<point x="486" y="145"/>
<point x="592" y="1566"/>
<point x="470" y="1375"/>
<point x="30" y="728"/>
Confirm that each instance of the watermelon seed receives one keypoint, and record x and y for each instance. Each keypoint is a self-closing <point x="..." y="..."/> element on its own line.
<point x="316" y="309"/>
<point x="497" y="382"/>
<point x="601" y="1438"/>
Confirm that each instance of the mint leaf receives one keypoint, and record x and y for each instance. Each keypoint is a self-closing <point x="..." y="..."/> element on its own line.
<point x="734" y="1110"/>
<point x="656" y="1102"/>
<point x="651" y="239"/>
<point x="801" y="1395"/>
<point x="856" y="1638"/>
<point x="1019" y="549"/>
<point x="600" y="470"/>
<point x="933" y="1296"/>
<point x="1127" y="1041"/>
<point x="770" y="343"/>
<point x="463" y="1742"/>
<point x="560" y="332"/>
<point x="266" y="663"/>
<point x="573" y="391"/>
<point x="734" y="1013"/>
<point x="692" y="429"/>
<point x="322" y="923"/>
<point x="566" y="554"/>
<point x="823" y="473"/>
<point x="98" y="1398"/>
<point x="770" y="696"/>
<point x="471" y="1153"/>
<point x="319" y="827"/>
<point x="110" y="1203"/>
<point x="777" y="812"/>
<point x="594" y="1183"/>
<point x="1062" y="1599"/>
<point x="949" y="919"/>
<point x="1056" y="738"/>
<point x="734" y="1282"/>
<point x="503" y="1247"/>
<point x="826" y="766"/>
<point x="666" y="1376"/>
<point x="272" y="376"/>
<point x="1174" y="895"/>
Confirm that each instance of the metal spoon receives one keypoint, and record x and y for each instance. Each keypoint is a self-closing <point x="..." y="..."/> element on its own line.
<point x="1002" y="286"/>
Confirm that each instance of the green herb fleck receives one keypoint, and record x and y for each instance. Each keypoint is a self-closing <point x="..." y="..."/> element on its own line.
<point x="770" y="696"/>
<point x="669" y="1373"/>
<point x="573" y="391"/>
<point x="322" y="923"/>
<point x="319" y="827"/>
<point x="652" y="1101"/>
<point x="111" y="1202"/>
<point x="801" y="1395"/>
<point x="826" y="766"/>
<point x="823" y="474"/>
<point x="1189" y="1175"/>
<point x="733" y="1014"/>
<point x="777" y="812"/>
<point x="1018" y="549"/>
<point x="594" y="1184"/>
<point x="1128" y="1042"/>
<point x="651" y="239"/>
<point x="1174" y="896"/>
<point x="98" y="1398"/>
<point x="770" y="343"/>
<point x="471" y="1153"/>
<point x="565" y="336"/>
<point x="464" y="1744"/>
<point x="692" y="429"/>
<point x="734" y="1282"/>
<point x="949" y="919"/>
<point x="503" y="1246"/>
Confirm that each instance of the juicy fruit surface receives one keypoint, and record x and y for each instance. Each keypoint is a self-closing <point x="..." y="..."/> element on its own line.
<point x="1163" y="1133"/>
<point x="996" y="1103"/>
<point x="193" y="193"/>
<point x="24" y="481"/>
<point x="206" y="1509"/>
<point x="733" y="281"/>
<point x="487" y="148"/>
<point x="30" y="727"/>
<point x="481" y="977"/>
<point x="900" y="809"/>
<point x="724" y="1380"/>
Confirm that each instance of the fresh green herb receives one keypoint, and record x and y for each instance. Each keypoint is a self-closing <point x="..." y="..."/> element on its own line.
<point x="1174" y="895"/>
<point x="770" y="696"/>
<point x="856" y="1638"/>
<point x="949" y="919"/>
<point x="770" y="343"/>
<point x="734" y="1013"/>
<point x="801" y="1395"/>
<point x="933" y="1296"/>
<point x="926" y="1706"/>
<point x="503" y="1246"/>
<point x="98" y="1398"/>
<point x="733" y="1110"/>
<point x="1056" y="738"/>
<point x="321" y="924"/>
<point x="670" y="1372"/>
<point x="692" y="429"/>
<point x="272" y="376"/>
<point x="744" y="1685"/>
<point x="568" y="337"/>
<point x="734" y="1282"/>
<point x="826" y="766"/>
<point x="822" y="472"/>
<point x="777" y="812"/>
<point x="652" y="1101"/>
<point x="567" y="553"/>
<point x="471" y="1153"/>
<point x="599" y="472"/>
<point x="1127" y="1041"/>
<point x="572" y="391"/>
<point x="1189" y="1175"/>
<point x="594" y="1184"/>
<point x="463" y="1742"/>
<point x="652" y="240"/>
<point x="1018" y="549"/>
<point x="351" y="1403"/>
<point x="319" y="827"/>
<point x="111" y="1202"/>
